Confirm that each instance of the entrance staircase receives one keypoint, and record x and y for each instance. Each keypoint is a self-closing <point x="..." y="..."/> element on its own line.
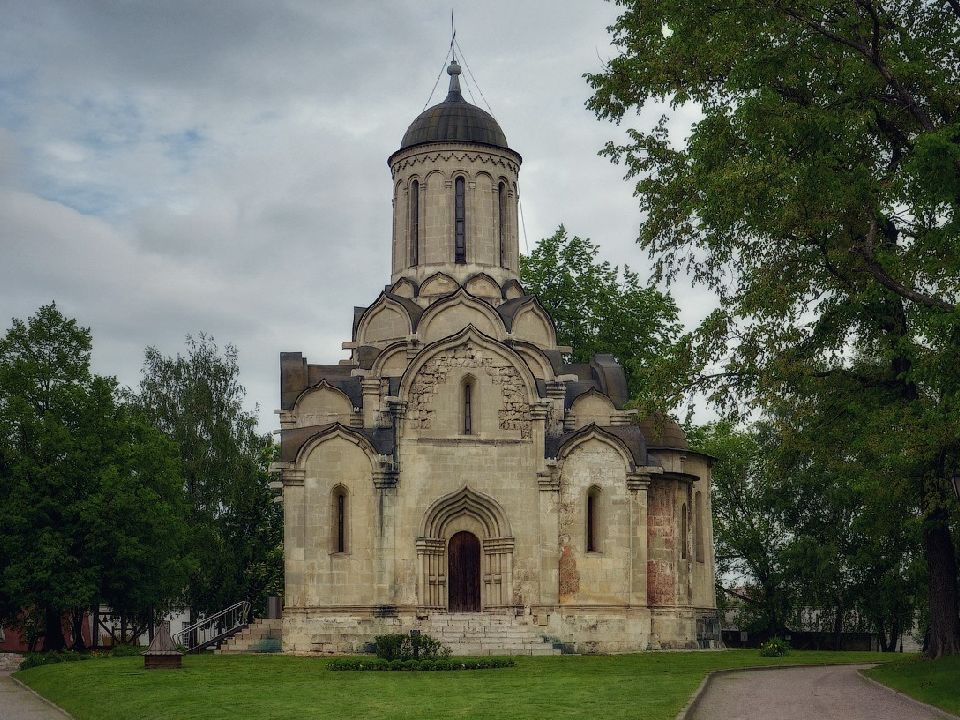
<point x="262" y="635"/>
<point x="486" y="634"/>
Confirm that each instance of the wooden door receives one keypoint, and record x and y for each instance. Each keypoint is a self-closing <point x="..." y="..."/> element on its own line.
<point x="463" y="573"/>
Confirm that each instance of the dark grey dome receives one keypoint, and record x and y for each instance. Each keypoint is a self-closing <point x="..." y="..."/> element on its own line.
<point x="454" y="120"/>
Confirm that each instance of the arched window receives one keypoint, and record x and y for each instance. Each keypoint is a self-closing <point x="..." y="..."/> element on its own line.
<point x="502" y="211"/>
<point x="683" y="531"/>
<point x="341" y="519"/>
<point x="468" y="402"/>
<point x="593" y="519"/>
<point x="698" y="526"/>
<point x="414" y="223"/>
<point x="460" y="221"/>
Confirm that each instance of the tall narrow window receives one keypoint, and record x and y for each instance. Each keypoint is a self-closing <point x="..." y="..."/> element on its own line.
<point x="468" y="407"/>
<point x="683" y="531"/>
<point x="414" y="223"/>
<point x="460" y="221"/>
<point x="593" y="525"/>
<point x="698" y="526"/>
<point x="341" y="519"/>
<point x="502" y="208"/>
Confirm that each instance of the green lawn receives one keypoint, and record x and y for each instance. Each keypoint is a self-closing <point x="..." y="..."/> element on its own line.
<point x="936" y="682"/>
<point x="648" y="686"/>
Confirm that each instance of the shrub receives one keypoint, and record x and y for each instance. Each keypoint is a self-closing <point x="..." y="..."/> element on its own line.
<point x="775" y="647"/>
<point x="126" y="650"/>
<point x="36" y="659"/>
<point x="427" y="665"/>
<point x="409" y="647"/>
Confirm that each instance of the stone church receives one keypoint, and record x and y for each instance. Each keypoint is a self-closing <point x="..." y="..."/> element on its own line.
<point x="456" y="474"/>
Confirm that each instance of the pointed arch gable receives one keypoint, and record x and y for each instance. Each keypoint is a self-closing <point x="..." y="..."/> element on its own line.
<point x="592" y="407"/>
<point x="404" y="287"/>
<point x="482" y="285"/>
<point x="456" y="311"/>
<point x="386" y="319"/>
<point x="512" y="289"/>
<point x="533" y="323"/>
<point x="593" y="432"/>
<point x="469" y="334"/>
<point x="392" y="359"/>
<point x="465" y="501"/>
<point x="437" y="285"/>
<point x="535" y="358"/>
<point x="321" y="404"/>
<point x="333" y="432"/>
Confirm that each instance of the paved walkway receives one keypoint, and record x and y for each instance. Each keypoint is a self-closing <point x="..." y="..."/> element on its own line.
<point x="19" y="704"/>
<point x="821" y="693"/>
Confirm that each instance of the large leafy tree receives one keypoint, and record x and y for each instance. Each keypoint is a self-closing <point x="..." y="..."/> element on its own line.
<point x="597" y="308"/>
<point x="819" y="196"/>
<point x="803" y="538"/>
<point x="91" y="493"/>
<point x="196" y="400"/>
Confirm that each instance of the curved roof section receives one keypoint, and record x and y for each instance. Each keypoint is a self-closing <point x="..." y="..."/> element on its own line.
<point x="454" y="120"/>
<point x="663" y="431"/>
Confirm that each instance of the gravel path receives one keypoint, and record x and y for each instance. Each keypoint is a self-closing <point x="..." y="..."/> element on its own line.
<point x="819" y="693"/>
<point x="17" y="703"/>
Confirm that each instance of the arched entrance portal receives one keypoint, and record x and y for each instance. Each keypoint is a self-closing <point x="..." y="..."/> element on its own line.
<point x="463" y="572"/>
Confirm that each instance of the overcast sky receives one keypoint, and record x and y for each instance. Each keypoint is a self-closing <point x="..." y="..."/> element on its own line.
<point x="168" y="168"/>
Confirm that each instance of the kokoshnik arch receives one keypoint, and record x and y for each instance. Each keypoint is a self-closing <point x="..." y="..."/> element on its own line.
<point x="455" y="463"/>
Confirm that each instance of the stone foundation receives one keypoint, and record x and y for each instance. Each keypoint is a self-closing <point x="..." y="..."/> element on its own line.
<point x="574" y="629"/>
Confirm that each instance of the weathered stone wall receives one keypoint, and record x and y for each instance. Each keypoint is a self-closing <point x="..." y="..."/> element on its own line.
<point x="500" y="406"/>
<point x="316" y="574"/>
<point x="662" y="543"/>
<point x="601" y="576"/>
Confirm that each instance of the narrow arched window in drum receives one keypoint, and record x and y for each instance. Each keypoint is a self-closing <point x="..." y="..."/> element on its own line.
<point x="460" y="221"/>
<point x="502" y="209"/>
<point x="414" y="223"/>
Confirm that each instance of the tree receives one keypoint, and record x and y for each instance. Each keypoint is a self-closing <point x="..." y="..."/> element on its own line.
<point x="803" y="538"/>
<point x="90" y="493"/>
<point x="196" y="401"/>
<point x="819" y="196"/>
<point x="598" y="309"/>
<point x="751" y="536"/>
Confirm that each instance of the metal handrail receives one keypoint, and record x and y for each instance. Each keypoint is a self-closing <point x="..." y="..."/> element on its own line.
<point x="209" y="630"/>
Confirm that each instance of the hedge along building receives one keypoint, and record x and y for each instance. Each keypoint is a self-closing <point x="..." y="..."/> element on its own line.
<point x="457" y="464"/>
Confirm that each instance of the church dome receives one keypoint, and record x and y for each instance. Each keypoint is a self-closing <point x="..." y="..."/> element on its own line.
<point x="454" y="120"/>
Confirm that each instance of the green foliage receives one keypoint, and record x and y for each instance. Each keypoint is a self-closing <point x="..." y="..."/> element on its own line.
<point x="816" y="195"/>
<point x="124" y="650"/>
<point x="409" y="647"/>
<point x="197" y="402"/>
<point x="426" y="665"/>
<point x="798" y="528"/>
<point x="775" y="647"/>
<point x="36" y="659"/>
<point x="596" y="308"/>
<point x="91" y="493"/>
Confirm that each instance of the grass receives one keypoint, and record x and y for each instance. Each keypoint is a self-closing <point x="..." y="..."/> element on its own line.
<point x="936" y="682"/>
<point x="648" y="686"/>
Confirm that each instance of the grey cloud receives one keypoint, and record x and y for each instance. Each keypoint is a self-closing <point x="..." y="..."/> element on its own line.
<point x="180" y="166"/>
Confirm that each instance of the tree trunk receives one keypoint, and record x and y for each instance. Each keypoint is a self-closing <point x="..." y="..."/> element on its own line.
<point x="944" y="633"/>
<point x="53" y="629"/>
<point x="895" y="633"/>
<point x="838" y="629"/>
<point x="76" y="625"/>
